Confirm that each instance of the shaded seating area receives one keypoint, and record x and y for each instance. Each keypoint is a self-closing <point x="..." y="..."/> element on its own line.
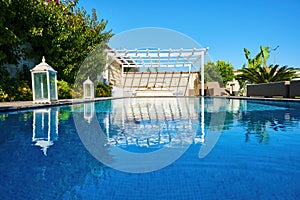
<point x="159" y="83"/>
<point x="284" y="89"/>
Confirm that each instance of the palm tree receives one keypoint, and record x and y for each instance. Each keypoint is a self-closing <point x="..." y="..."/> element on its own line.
<point x="253" y="62"/>
<point x="257" y="70"/>
<point x="260" y="58"/>
<point x="264" y="74"/>
<point x="264" y="52"/>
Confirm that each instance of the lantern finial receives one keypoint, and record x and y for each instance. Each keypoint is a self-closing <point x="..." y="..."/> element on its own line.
<point x="43" y="59"/>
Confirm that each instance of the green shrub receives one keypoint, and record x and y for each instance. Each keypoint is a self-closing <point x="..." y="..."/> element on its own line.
<point x="17" y="90"/>
<point x="103" y="90"/>
<point x="64" y="90"/>
<point x="22" y="91"/>
<point x="3" y="95"/>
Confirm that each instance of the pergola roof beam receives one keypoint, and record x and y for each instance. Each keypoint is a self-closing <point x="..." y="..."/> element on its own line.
<point x="149" y="57"/>
<point x="157" y="57"/>
<point x="179" y="55"/>
<point x="142" y="61"/>
<point x="162" y="65"/>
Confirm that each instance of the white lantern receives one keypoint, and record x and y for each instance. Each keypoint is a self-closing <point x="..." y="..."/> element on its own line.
<point x="44" y="83"/>
<point x="88" y="89"/>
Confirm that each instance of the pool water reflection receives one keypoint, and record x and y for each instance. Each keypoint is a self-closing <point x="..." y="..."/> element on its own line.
<point x="251" y="150"/>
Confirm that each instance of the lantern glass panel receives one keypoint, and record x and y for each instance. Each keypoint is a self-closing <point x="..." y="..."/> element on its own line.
<point x="52" y="85"/>
<point x="40" y="86"/>
<point x="88" y="90"/>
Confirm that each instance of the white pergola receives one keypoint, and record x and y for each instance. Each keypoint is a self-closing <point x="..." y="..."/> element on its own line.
<point x="167" y="58"/>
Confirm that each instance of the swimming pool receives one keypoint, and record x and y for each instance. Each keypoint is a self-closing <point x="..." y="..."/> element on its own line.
<point x="152" y="148"/>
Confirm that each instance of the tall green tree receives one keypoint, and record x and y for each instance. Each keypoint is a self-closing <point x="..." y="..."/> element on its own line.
<point x="220" y="72"/>
<point x="211" y="73"/>
<point x="15" y="22"/>
<point x="58" y="30"/>
<point x="226" y="71"/>
<point x="66" y="35"/>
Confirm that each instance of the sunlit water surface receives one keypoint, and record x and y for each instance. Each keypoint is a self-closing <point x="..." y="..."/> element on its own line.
<point x="232" y="149"/>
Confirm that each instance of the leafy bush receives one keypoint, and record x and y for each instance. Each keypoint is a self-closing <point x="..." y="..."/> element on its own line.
<point x="3" y="95"/>
<point x="64" y="90"/>
<point x="22" y="91"/>
<point x="13" y="89"/>
<point x="103" y="90"/>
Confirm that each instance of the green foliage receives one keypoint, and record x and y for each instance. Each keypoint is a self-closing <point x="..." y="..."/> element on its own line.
<point x="58" y="30"/>
<point x="221" y="72"/>
<point x="93" y="66"/>
<point x="103" y="90"/>
<point x="4" y="79"/>
<point x="266" y="74"/>
<point x="260" y="58"/>
<point x="68" y="36"/>
<point x="133" y="69"/>
<point x="258" y="71"/>
<point x="14" y="25"/>
<point x="22" y="91"/>
<point x="265" y="51"/>
<point x="3" y="95"/>
<point x="211" y="73"/>
<point x="64" y="90"/>
<point x="226" y="71"/>
<point x="16" y="90"/>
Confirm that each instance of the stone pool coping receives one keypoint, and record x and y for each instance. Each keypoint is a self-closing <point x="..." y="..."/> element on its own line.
<point x="20" y="105"/>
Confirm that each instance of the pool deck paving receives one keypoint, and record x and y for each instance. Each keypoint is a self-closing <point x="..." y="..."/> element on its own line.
<point x="19" y="105"/>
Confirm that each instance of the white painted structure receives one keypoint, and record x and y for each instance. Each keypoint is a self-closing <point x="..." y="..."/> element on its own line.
<point x="160" y="58"/>
<point x="44" y="83"/>
<point x="88" y="89"/>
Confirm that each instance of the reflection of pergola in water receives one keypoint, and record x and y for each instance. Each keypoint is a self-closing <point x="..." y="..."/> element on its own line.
<point x="146" y="122"/>
<point x="176" y="59"/>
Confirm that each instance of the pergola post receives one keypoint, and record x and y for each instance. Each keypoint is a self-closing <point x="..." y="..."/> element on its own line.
<point x="202" y="73"/>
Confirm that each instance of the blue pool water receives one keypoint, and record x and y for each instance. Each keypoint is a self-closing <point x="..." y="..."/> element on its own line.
<point x="154" y="148"/>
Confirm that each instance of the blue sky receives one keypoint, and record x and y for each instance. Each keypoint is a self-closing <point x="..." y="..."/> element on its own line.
<point x="226" y="27"/>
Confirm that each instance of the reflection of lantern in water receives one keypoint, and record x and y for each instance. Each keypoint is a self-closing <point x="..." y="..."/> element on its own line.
<point x="89" y="110"/>
<point x="45" y="128"/>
